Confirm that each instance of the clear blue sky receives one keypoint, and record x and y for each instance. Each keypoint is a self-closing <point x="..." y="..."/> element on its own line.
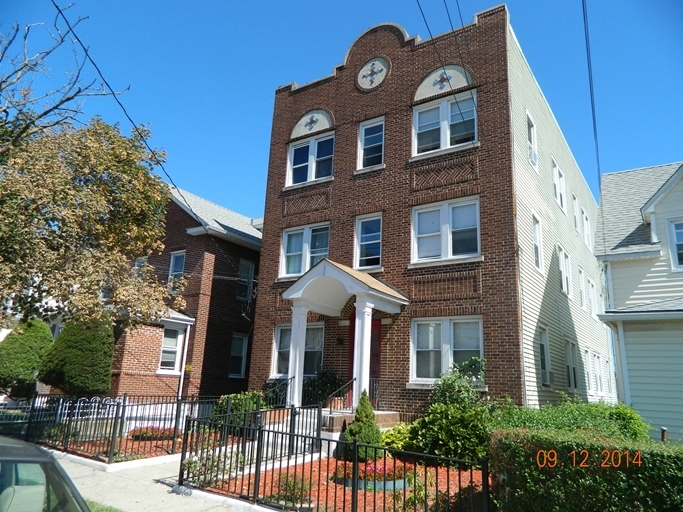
<point x="202" y="74"/>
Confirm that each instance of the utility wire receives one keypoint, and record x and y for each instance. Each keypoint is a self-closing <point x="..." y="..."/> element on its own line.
<point x="137" y="130"/>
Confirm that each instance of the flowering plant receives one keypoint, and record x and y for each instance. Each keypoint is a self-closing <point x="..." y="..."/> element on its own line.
<point x="151" y="433"/>
<point x="379" y="470"/>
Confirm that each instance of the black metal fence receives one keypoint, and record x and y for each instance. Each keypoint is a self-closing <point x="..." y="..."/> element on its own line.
<point x="273" y="463"/>
<point x="110" y="429"/>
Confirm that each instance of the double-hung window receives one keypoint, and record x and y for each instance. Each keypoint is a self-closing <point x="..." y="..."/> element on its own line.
<point x="565" y="271"/>
<point x="575" y="209"/>
<point x="238" y="356"/>
<point x="588" y="372"/>
<point x="572" y="363"/>
<point x="676" y="243"/>
<point x="537" y="241"/>
<point x="446" y="231"/>
<point x="303" y="247"/>
<point x="558" y="187"/>
<point x="170" y="351"/>
<point x="544" y="354"/>
<point x="437" y="343"/>
<point x="313" y="351"/>
<point x="582" y="289"/>
<point x="587" y="233"/>
<point x="593" y="297"/>
<point x="597" y="368"/>
<point x="371" y="143"/>
<point x="445" y="123"/>
<point x="369" y="241"/>
<point x="531" y="140"/>
<point x="176" y="269"/>
<point x="310" y="160"/>
<point x="245" y="280"/>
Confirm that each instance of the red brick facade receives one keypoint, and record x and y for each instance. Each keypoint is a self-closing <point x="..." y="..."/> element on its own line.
<point x="211" y="268"/>
<point x="487" y="288"/>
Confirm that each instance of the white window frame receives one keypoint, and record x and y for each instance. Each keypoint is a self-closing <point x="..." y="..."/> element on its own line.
<point x="537" y="242"/>
<point x="245" y="278"/>
<point x="361" y="142"/>
<point x="543" y="341"/>
<point x="241" y="340"/>
<point x="588" y="371"/>
<point x="572" y="366"/>
<point x="312" y="162"/>
<point x="582" y="288"/>
<point x="565" y="266"/>
<point x="445" y="232"/>
<point x="597" y="371"/>
<point x="531" y="141"/>
<point x="274" y="373"/>
<point x="447" y="349"/>
<point x="177" y="350"/>
<point x="676" y="265"/>
<point x="575" y="210"/>
<point x="444" y="106"/>
<point x="359" y="243"/>
<point x="593" y="298"/>
<point x="172" y="275"/>
<point x="587" y="232"/>
<point x="306" y="232"/>
<point x="559" y="191"/>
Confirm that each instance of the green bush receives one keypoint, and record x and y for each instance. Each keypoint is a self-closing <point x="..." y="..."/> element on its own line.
<point x="455" y="431"/>
<point x="240" y="403"/>
<point x="365" y="430"/>
<point x="79" y="361"/>
<point x="293" y="489"/>
<point x="396" y="437"/>
<point x="459" y="385"/>
<point x="317" y="389"/>
<point x="613" y="421"/>
<point x="522" y="459"/>
<point x="20" y="355"/>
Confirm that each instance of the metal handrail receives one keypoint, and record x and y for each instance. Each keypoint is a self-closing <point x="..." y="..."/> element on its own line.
<point x="276" y="391"/>
<point x="344" y="388"/>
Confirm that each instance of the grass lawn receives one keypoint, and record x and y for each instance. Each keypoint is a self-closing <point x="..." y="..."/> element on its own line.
<point x="98" y="507"/>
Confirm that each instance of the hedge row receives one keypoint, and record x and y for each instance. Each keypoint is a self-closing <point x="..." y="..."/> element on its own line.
<point x="563" y="471"/>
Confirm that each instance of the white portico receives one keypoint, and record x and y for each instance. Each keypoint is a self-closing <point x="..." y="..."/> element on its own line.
<point x="325" y="289"/>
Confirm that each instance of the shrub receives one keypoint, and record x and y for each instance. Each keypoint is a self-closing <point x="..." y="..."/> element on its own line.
<point x="293" y="489"/>
<point x="653" y="479"/>
<point x="454" y="431"/>
<point x="240" y="404"/>
<point x="396" y="437"/>
<point x="382" y="470"/>
<point x="459" y="385"/>
<point x="365" y="430"/>
<point x="317" y="389"/>
<point x="79" y="361"/>
<point x="613" y="421"/>
<point x="151" y="434"/>
<point x="20" y="355"/>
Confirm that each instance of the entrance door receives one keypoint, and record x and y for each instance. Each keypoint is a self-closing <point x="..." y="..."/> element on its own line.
<point x="375" y="354"/>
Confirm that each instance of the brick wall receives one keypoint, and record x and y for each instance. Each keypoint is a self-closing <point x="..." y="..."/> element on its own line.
<point x="487" y="288"/>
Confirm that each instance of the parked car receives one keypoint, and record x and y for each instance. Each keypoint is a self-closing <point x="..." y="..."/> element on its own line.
<point x="31" y="480"/>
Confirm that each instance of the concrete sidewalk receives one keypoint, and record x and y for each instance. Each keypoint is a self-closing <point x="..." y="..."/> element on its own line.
<point x="146" y="485"/>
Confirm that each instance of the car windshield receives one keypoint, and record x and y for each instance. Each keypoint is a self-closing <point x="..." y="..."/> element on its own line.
<point x="34" y="487"/>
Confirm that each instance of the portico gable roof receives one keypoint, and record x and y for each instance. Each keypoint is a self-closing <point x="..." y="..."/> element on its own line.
<point x="326" y="288"/>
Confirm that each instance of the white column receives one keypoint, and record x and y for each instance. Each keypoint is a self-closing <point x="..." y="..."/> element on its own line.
<point x="361" y="359"/>
<point x="296" y="353"/>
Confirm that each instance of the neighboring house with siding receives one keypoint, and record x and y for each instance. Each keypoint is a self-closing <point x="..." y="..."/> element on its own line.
<point x="640" y="237"/>
<point x="205" y="349"/>
<point x="423" y="207"/>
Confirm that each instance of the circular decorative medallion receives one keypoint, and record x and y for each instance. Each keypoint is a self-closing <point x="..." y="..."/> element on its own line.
<point x="373" y="73"/>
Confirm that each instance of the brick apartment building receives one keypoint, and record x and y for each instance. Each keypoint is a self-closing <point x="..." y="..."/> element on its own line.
<point x="423" y="207"/>
<point x="217" y="251"/>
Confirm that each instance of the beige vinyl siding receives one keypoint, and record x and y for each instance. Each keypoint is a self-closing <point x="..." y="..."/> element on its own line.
<point x="654" y="351"/>
<point x="543" y="302"/>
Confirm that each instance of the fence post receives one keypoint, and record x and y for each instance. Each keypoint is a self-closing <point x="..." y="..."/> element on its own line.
<point x="122" y="423"/>
<point x="292" y="431"/>
<point x="485" y="484"/>
<point x="319" y="428"/>
<point x="114" y="434"/>
<point x="183" y="452"/>
<point x="31" y="412"/>
<point x="354" y="477"/>
<point x="176" y="423"/>
<point x="69" y="421"/>
<point x="259" y="456"/>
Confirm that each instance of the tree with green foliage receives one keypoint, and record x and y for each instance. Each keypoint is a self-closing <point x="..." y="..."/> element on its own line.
<point x="79" y="361"/>
<point x="363" y="428"/>
<point x="20" y="355"/>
